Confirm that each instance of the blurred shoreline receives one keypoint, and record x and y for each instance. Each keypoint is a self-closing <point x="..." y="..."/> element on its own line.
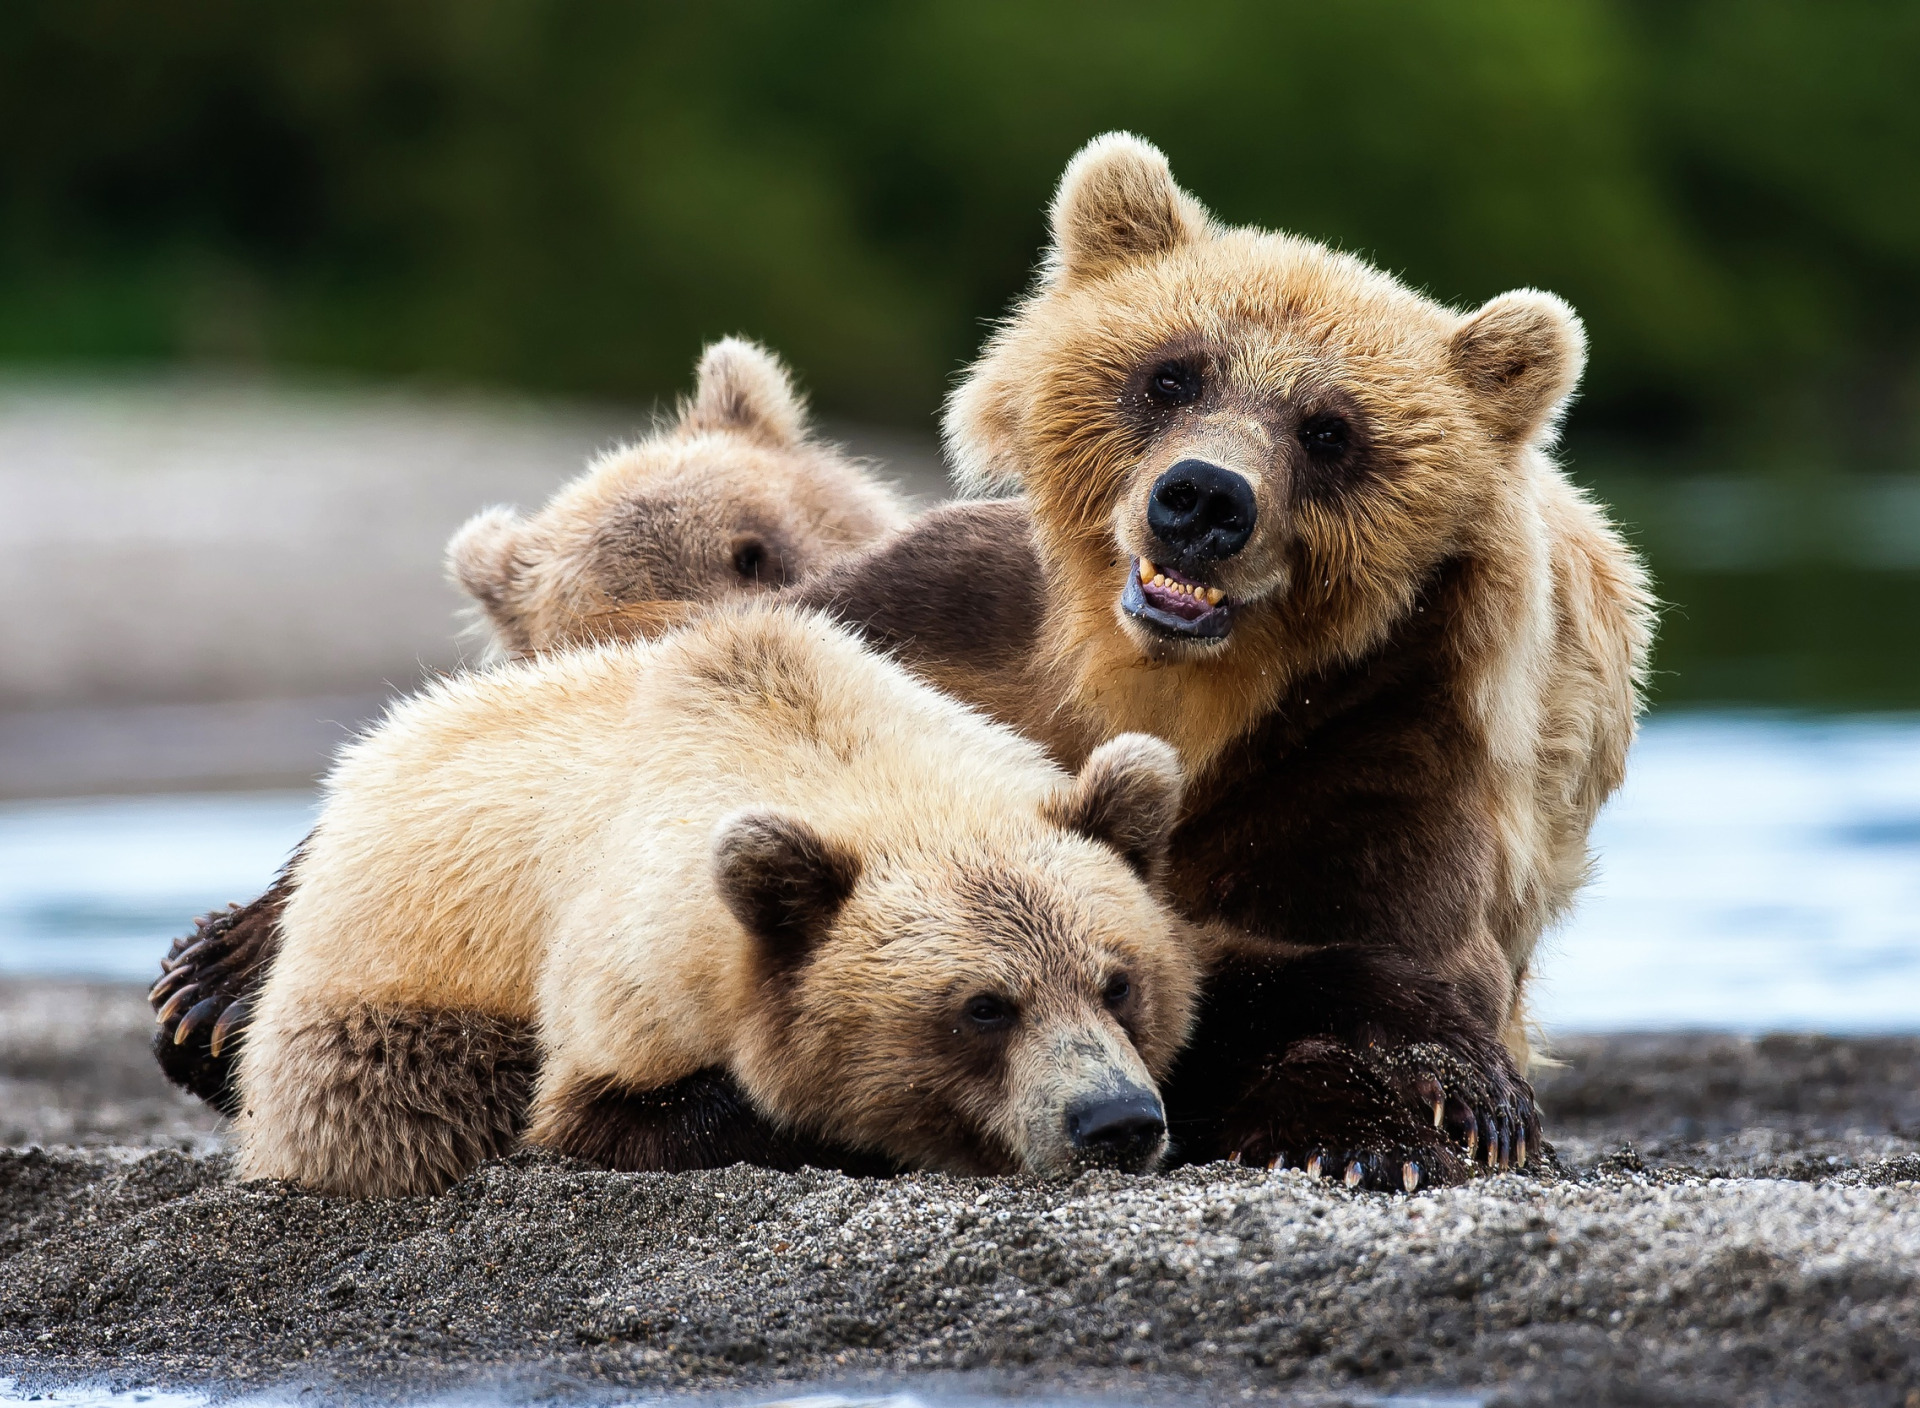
<point x="215" y="581"/>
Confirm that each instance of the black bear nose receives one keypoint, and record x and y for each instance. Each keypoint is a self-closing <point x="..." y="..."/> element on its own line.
<point x="1202" y="511"/>
<point x="1124" y="1129"/>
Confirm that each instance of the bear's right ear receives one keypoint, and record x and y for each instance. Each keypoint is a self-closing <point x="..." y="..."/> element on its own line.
<point x="1117" y="202"/>
<point x="1521" y="355"/>
<point x="1128" y="797"/>
<point x="483" y="561"/>
<point x="782" y="880"/>
<point x="743" y="387"/>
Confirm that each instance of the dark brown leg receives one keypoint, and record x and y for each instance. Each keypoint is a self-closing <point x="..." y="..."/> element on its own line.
<point x="701" y="1121"/>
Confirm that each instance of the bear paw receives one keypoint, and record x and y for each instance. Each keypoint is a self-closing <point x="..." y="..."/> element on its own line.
<point x="1393" y="1119"/>
<point x="201" y="1001"/>
<point x="1481" y="1102"/>
<point x="1328" y="1108"/>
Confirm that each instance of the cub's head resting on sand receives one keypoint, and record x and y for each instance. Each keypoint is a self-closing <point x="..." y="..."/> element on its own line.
<point x="538" y="898"/>
<point x="732" y="498"/>
<point x="990" y="1010"/>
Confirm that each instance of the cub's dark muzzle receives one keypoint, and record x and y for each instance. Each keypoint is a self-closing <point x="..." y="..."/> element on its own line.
<point x="1201" y="512"/>
<point x="1125" y="1131"/>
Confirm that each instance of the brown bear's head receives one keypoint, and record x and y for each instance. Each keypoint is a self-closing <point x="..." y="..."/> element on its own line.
<point x="729" y="499"/>
<point x="1004" y="1005"/>
<point x="1244" y="446"/>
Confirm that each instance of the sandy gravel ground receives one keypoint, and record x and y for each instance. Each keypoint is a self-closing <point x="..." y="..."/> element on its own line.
<point x="1735" y="1221"/>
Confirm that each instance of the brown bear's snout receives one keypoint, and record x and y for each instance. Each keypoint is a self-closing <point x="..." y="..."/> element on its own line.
<point x="1125" y="1130"/>
<point x="1201" y="511"/>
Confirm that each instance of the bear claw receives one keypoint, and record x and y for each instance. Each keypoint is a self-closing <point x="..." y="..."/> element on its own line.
<point x="231" y="1020"/>
<point x="197" y="1016"/>
<point x="178" y="1003"/>
<point x="169" y="980"/>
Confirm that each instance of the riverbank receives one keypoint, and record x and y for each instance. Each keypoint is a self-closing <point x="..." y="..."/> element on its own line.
<point x="1733" y="1220"/>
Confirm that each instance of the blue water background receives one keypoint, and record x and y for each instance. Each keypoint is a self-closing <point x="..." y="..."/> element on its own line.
<point x="1756" y="873"/>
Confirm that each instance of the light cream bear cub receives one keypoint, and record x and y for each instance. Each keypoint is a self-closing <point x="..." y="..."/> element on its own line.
<point x="746" y="891"/>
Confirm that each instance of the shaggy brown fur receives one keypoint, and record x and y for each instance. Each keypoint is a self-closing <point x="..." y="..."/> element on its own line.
<point x="1423" y="677"/>
<point x="702" y="1121"/>
<point x="1411" y="685"/>
<point x="395" y="1101"/>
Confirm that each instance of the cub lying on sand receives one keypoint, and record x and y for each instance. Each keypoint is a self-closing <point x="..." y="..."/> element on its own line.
<point x="615" y="893"/>
<point x="732" y="498"/>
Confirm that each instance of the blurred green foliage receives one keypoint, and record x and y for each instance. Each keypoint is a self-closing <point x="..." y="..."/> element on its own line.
<point x="574" y="194"/>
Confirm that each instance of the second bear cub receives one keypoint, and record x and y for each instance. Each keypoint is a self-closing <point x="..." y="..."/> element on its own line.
<point x="749" y="860"/>
<point x="732" y="498"/>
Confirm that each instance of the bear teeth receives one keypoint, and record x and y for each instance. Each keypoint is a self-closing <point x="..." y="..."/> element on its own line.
<point x="1153" y="577"/>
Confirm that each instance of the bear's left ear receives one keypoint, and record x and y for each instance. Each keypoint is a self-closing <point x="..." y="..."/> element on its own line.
<point x="1128" y="797"/>
<point x="782" y="880"/>
<point x="743" y="387"/>
<point x="1521" y="355"/>
<point x="1117" y="202"/>
<point x="484" y="559"/>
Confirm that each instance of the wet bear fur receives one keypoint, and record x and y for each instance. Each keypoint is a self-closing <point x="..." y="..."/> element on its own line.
<point x="751" y="877"/>
<point x="733" y="497"/>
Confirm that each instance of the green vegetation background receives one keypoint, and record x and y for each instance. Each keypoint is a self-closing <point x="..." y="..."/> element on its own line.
<point x="572" y="195"/>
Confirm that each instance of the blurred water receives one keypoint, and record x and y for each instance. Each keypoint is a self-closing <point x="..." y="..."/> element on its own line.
<point x="100" y="886"/>
<point x="1756" y="872"/>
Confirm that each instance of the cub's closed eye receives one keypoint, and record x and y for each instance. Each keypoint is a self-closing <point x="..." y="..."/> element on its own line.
<point x="1325" y="434"/>
<point x="1118" y="989"/>
<point x="1174" y="384"/>
<point x="990" y="1012"/>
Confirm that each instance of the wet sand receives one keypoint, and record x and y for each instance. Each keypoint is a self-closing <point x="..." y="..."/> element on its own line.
<point x="1732" y="1220"/>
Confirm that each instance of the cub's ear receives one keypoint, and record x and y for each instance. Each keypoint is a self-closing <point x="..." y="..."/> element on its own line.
<point x="1521" y="355"/>
<point x="483" y="560"/>
<point x="1127" y="797"/>
<point x="781" y="879"/>
<point x="1117" y="203"/>
<point x="743" y="387"/>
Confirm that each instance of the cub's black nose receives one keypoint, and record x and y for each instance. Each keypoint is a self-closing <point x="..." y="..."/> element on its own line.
<point x="1201" y="511"/>
<point x="1125" y="1129"/>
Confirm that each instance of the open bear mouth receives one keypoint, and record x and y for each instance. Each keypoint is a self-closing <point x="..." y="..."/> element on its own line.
<point x="1175" y="605"/>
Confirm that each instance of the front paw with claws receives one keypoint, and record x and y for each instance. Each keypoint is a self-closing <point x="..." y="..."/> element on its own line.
<point x="1321" y="1106"/>
<point x="202" y="1000"/>
<point x="1351" y="1063"/>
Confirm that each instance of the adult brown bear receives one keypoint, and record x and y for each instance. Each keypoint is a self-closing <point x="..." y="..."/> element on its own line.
<point x="1300" y="521"/>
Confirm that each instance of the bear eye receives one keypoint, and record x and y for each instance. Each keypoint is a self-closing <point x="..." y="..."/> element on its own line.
<point x="750" y="559"/>
<point x="1325" y="434"/>
<point x="1118" y="989"/>
<point x="990" y="1012"/>
<point x="1174" y="384"/>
